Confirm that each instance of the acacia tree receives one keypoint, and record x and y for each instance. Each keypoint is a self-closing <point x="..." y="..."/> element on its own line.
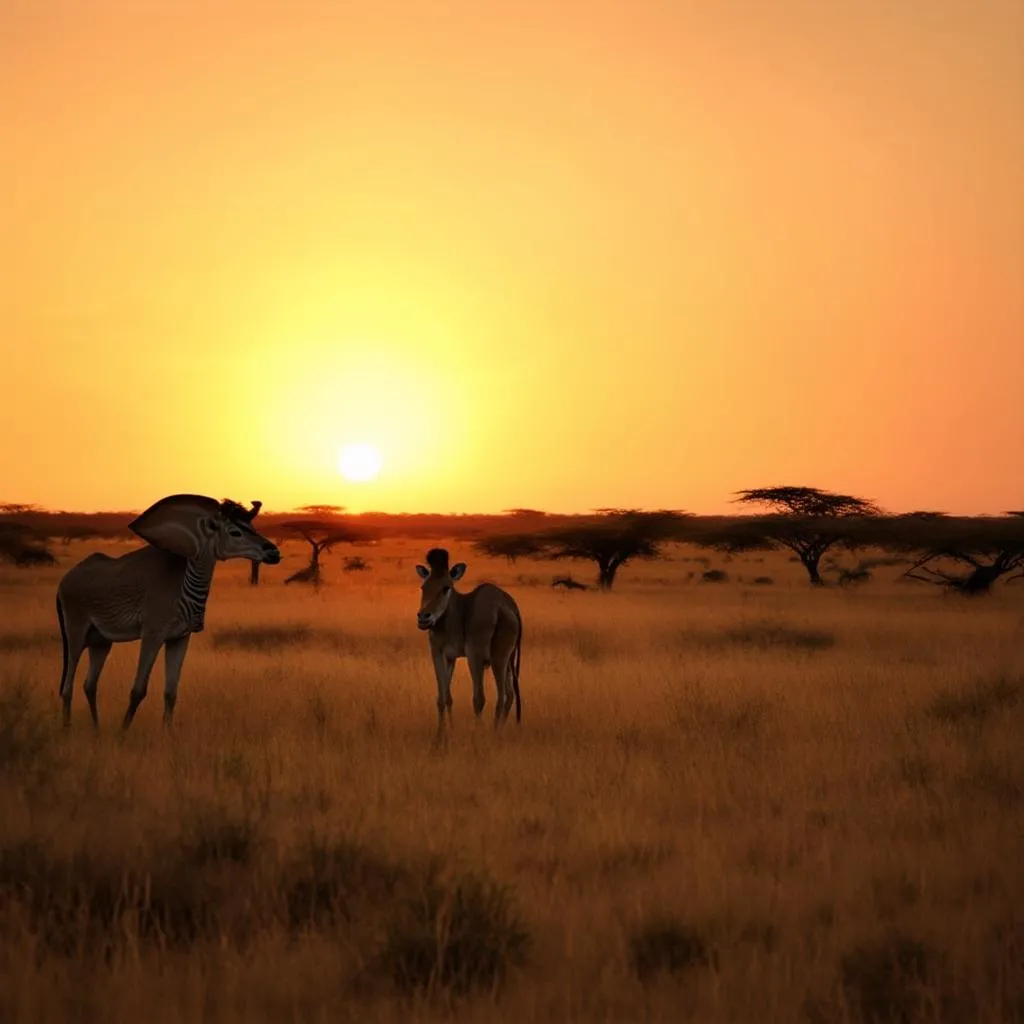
<point x="964" y="555"/>
<point x="805" y="520"/>
<point x="511" y="546"/>
<point x="321" y="537"/>
<point x="610" y="540"/>
<point x="22" y="547"/>
<point x="323" y="511"/>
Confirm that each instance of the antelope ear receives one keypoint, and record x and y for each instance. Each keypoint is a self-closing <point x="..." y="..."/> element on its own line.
<point x="178" y="524"/>
<point x="422" y="571"/>
<point x="457" y="571"/>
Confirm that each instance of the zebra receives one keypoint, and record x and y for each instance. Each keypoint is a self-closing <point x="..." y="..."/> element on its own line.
<point x="156" y="594"/>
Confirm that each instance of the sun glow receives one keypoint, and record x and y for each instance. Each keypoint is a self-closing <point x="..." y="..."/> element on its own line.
<point x="359" y="462"/>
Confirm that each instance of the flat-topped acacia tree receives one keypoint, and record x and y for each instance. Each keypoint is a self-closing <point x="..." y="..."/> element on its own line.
<point x="21" y="544"/>
<point x="610" y="539"/>
<point x="321" y="537"/>
<point x="964" y="555"/>
<point x="805" y="520"/>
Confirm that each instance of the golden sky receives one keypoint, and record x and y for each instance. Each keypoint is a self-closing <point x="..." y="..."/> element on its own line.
<point x="545" y="253"/>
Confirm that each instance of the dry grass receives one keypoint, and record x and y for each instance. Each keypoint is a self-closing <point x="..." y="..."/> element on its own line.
<point x="728" y="803"/>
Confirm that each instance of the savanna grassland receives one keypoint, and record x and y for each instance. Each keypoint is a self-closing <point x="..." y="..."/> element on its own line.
<point x="726" y="802"/>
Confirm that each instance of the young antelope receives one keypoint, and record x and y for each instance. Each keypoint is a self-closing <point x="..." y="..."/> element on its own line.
<point x="483" y="626"/>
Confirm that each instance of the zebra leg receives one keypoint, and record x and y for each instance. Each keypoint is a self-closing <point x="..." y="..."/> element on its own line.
<point x="174" y="657"/>
<point x="148" y="651"/>
<point x="75" y="646"/>
<point x="98" y="651"/>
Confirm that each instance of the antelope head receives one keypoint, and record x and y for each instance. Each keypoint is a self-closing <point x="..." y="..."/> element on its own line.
<point x="436" y="590"/>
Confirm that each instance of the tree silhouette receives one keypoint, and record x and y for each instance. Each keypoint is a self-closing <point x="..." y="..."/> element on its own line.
<point x="321" y="537"/>
<point x="984" y="548"/>
<point x="23" y="547"/>
<point x="804" y="520"/>
<point x="511" y="546"/>
<point x="568" y="583"/>
<point x="610" y="540"/>
<point x="322" y="511"/>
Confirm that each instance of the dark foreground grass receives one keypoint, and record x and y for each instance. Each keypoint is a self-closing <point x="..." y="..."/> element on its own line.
<point x="415" y="927"/>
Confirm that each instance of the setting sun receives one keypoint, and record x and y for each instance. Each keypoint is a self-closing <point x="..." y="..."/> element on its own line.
<point x="359" y="462"/>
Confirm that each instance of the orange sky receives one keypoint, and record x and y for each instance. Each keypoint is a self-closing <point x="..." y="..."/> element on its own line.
<point x="546" y="253"/>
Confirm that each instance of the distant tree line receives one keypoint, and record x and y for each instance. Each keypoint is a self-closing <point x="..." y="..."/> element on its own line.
<point x="965" y="555"/>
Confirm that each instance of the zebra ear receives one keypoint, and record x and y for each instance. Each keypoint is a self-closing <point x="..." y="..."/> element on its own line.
<point x="457" y="571"/>
<point x="178" y="524"/>
<point x="422" y="571"/>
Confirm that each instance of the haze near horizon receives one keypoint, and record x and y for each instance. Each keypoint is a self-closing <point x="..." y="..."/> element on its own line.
<point x="548" y="255"/>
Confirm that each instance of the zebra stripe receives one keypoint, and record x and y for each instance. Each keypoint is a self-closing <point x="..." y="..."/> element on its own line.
<point x="195" y="589"/>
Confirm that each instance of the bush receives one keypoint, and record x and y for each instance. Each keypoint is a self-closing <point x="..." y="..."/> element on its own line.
<point x="262" y="638"/>
<point x="455" y="937"/>
<point x="975" y="705"/>
<point x="666" y="946"/>
<point x="88" y="905"/>
<point x="778" y="634"/>
<point x="324" y="883"/>
<point x="888" y="980"/>
<point x="715" y="576"/>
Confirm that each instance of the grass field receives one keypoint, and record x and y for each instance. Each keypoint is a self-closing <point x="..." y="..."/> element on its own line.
<point x="725" y="802"/>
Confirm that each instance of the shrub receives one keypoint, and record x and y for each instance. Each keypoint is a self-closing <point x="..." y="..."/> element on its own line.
<point x="666" y="946"/>
<point x="455" y="937"/>
<point x="778" y="634"/>
<point x="324" y="882"/>
<point x="262" y="638"/>
<point x="215" y="842"/>
<point x="975" y="705"/>
<point x="889" y="980"/>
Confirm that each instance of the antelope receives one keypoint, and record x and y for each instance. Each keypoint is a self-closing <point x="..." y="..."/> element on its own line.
<point x="156" y="594"/>
<point x="483" y="626"/>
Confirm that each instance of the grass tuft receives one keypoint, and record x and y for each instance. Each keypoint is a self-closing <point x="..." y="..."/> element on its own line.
<point x="666" y="946"/>
<point x="455" y="937"/>
<point x="890" y="980"/>
<point x="27" y="751"/>
<point x="325" y="883"/>
<point x="217" y="842"/>
<point x="766" y="634"/>
<point x="30" y="640"/>
<point x="976" y="704"/>
<point x="262" y="638"/>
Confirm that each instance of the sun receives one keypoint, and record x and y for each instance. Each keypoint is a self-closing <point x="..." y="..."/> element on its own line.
<point x="359" y="462"/>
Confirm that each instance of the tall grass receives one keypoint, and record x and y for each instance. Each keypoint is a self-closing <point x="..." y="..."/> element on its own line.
<point x="735" y="802"/>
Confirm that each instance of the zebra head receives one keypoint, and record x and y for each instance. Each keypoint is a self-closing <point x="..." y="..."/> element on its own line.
<point x="189" y="524"/>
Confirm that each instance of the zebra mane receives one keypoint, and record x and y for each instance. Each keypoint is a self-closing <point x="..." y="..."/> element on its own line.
<point x="239" y="513"/>
<point x="437" y="559"/>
